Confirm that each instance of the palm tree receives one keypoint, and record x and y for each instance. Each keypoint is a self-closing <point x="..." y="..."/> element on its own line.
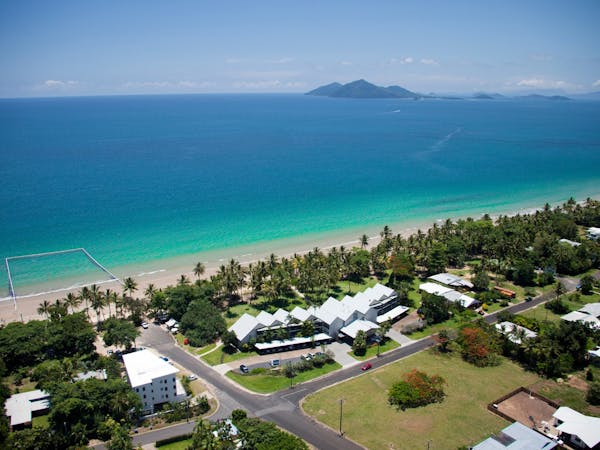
<point x="44" y="309"/>
<point x="364" y="241"/>
<point x="559" y="290"/>
<point x="150" y="291"/>
<point x="73" y="301"/>
<point x="199" y="269"/>
<point x="110" y="297"/>
<point x="183" y="280"/>
<point x="85" y="295"/>
<point x="96" y="301"/>
<point x="130" y="285"/>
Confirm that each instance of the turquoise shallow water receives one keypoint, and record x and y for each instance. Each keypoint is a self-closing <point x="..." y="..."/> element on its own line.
<point x="139" y="180"/>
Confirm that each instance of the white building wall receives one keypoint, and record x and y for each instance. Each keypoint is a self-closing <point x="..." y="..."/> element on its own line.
<point x="161" y="390"/>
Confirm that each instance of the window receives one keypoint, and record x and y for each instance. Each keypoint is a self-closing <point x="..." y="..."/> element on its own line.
<point x="144" y="395"/>
<point x="137" y="389"/>
<point x="144" y="389"/>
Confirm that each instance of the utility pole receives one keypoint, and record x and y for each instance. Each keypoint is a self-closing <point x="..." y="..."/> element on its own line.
<point x="341" y="411"/>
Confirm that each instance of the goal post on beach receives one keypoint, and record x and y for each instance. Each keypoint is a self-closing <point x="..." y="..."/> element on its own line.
<point x="83" y="251"/>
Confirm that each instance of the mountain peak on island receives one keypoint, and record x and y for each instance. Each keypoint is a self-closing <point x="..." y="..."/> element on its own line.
<point x="362" y="89"/>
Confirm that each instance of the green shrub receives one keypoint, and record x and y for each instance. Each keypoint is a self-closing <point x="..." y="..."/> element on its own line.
<point x="593" y="394"/>
<point x="416" y="389"/>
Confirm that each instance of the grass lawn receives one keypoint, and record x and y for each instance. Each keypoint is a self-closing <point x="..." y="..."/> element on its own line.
<point x="220" y="357"/>
<point x="40" y="421"/>
<point x="196" y="350"/>
<point x="344" y="288"/>
<point x="451" y="324"/>
<point x="179" y="445"/>
<point x="287" y="302"/>
<point x="265" y="383"/>
<point x="25" y="386"/>
<point x="541" y="313"/>
<point x="567" y="395"/>
<point x="389" y="344"/>
<point x="461" y="419"/>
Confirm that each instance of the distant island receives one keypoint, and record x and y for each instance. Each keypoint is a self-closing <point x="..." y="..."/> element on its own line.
<point x="363" y="89"/>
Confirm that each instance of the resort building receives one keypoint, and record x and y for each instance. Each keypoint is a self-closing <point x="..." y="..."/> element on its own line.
<point x="593" y="233"/>
<point x="576" y="429"/>
<point x="332" y="320"/>
<point x="153" y="379"/>
<point x="588" y="314"/>
<point x="449" y="294"/>
<point x="516" y="437"/>
<point x="21" y="408"/>
<point x="515" y="333"/>
<point x="451" y="280"/>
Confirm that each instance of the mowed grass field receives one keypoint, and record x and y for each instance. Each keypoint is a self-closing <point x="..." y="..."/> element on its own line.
<point x="461" y="419"/>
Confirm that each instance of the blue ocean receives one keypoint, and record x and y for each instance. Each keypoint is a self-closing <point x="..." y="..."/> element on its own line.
<point x="140" y="181"/>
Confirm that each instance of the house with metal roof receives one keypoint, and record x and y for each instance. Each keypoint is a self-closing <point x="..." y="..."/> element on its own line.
<point x="21" y="408"/>
<point x="451" y="280"/>
<point x="516" y="437"/>
<point x="515" y="333"/>
<point x="577" y="429"/>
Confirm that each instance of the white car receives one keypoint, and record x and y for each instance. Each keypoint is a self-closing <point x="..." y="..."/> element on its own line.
<point x="145" y="325"/>
<point x="192" y="377"/>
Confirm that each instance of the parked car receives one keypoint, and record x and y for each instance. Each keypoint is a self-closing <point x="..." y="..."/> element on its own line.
<point x="192" y="377"/>
<point x="145" y="325"/>
<point x="366" y="366"/>
<point x="244" y="368"/>
<point x="164" y="358"/>
<point x="306" y="357"/>
<point x="310" y="355"/>
<point x="275" y="363"/>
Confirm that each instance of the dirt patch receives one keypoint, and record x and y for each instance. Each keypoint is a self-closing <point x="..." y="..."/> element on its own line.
<point x="578" y="383"/>
<point x="529" y="410"/>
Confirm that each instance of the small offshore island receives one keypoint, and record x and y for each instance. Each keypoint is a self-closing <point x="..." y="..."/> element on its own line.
<point x="489" y="308"/>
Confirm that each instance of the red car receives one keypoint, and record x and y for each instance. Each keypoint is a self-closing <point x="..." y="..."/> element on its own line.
<point x="367" y="366"/>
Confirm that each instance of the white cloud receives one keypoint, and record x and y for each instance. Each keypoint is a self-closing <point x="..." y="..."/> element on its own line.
<point x="407" y="60"/>
<point x="280" y="60"/>
<point x="60" y="84"/>
<point x="183" y="84"/>
<point x="346" y="63"/>
<point x="596" y="83"/>
<point x="429" y="62"/>
<point x="266" y="84"/>
<point x="543" y="83"/>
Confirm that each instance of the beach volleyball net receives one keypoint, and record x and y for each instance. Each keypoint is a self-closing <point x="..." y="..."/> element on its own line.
<point x="42" y="273"/>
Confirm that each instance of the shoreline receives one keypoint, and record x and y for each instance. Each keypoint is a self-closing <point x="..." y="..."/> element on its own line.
<point x="164" y="272"/>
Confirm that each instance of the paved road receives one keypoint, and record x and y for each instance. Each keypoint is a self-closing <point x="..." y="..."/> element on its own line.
<point x="283" y="407"/>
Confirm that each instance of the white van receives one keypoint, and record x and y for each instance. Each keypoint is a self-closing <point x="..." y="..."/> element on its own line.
<point x="275" y="363"/>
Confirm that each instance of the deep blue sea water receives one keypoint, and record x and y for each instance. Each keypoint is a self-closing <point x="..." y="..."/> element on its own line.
<point x="139" y="179"/>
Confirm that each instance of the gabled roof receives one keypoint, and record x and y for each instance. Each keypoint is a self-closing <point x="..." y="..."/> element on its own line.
<point x="578" y="316"/>
<point x="584" y="427"/>
<point x="451" y="280"/>
<point x="326" y="316"/>
<point x="434" y="288"/>
<point x="266" y="319"/>
<point x="516" y="437"/>
<point x="302" y="314"/>
<point x="144" y="366"/>
<point x="244" y="326"/>
<point x="593" y="309"/>
<point x="457" y="297"/>
<point x="358" y="325"/>
<point x="511" y="331"/>
<point x="282" y="315"/>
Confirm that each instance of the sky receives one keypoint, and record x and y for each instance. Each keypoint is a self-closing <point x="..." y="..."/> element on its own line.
<point x="93" y="47"/>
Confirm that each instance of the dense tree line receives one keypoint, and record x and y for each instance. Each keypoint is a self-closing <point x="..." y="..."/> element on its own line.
<point x="24" y="345"/>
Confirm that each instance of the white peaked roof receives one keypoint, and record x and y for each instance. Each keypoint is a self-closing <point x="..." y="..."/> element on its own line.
<point x="326" y="315"/>
<point x="19" y="407"/>
<point x="451" y="280"/>
<point x="434" y="288"/>
<point x="144" y="366"/>
<point x="392" y="314"/>
<point x="244" y="326"/>
<point x="282" y="315"/>
<point x="457" y="297"/>
<point x="516" y="437"/>
<point x="578" y="316"/>
<point x="593" y="309"/>
<point x="511" y="330"/>
<point x="302" y="314"/>
<point x="266" y="319"/>
<point x="584" y="427"/>
<point x="358" y="325"/>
